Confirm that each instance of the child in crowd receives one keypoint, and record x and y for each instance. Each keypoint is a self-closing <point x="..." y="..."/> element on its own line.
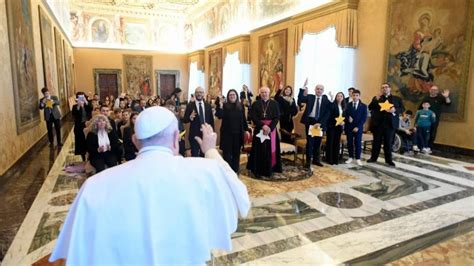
<point x="423" y="120"/>
<point x="406" y="133"/>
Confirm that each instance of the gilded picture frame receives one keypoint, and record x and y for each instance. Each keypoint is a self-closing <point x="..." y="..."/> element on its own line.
<point x="23" y="64"/>
<point x="429" y="43"/>
<point x="215" y="72"/>
<point x="272" y="61"/>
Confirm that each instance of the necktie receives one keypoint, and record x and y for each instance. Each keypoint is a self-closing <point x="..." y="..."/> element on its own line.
<point x="355" y="106"/>
<point x="317" y="108"/>
<point x="201" y="113"/>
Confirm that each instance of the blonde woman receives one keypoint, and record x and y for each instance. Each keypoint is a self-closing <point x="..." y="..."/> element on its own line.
<point x="102" y="144"/>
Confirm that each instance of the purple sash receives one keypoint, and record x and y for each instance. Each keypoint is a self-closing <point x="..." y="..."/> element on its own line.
<point x="273" y="141"/>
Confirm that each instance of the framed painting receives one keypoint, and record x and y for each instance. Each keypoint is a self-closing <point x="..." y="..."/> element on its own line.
<point x="62" y="94"/>
<point x="47" y="49"/>
<point x="429" y="43"/>
<point x="272" y="50"/>
<point x="68" y="70"/>
<point x="22" y="54"/>
<point x="215" y="72"/>
<point x="138" y="74"/>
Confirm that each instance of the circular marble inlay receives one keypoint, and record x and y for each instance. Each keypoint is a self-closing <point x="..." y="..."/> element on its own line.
<point x="340" y="200"/>
<point x="62" y="200"/>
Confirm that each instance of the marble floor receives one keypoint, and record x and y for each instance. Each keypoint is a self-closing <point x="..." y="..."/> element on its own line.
<point x="421" y="212"/>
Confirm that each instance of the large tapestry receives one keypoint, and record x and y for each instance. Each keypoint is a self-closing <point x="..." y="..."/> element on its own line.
<point x="272" y="60"/>
<point x="215" y="72"/>
<point x="429" y="44"/>
<point x="138" y="73"/>
<point x="48" y="53"/>
<point x="60" y="67"/>
<point x="25" y="86"/>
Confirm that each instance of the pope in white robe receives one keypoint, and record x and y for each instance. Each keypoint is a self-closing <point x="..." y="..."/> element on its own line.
<point x="157" y="209"/>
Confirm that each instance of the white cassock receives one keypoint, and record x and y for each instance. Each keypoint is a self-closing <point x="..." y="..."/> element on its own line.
<point x="156" y="209"/>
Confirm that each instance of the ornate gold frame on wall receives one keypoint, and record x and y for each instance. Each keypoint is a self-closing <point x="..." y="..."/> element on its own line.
<point x="283" y="36"/>
<point x="460" y="114"/>
<point x="215" y="54"/>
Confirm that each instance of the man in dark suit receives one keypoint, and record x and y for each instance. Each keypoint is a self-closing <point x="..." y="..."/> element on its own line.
<point x="348" y="99"/>
<point x="197" y="113"/>
<point x="52" y="115"/>
<point x="356" y="115"/>
<point x="384" y="123"/>
<point x="316" y="114"/>
<point x="246" y="99"/>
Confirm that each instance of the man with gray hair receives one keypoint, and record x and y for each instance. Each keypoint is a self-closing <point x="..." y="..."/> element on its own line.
<point x="160" y="208"/>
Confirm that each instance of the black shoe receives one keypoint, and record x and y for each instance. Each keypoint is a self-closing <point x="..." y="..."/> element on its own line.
<point x="318" y="163"/>
<point x="392" y="164"/>
<point x="371" y="161"/>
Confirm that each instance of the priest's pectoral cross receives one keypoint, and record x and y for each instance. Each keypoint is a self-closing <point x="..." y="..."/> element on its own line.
<point x="264" y="114"/>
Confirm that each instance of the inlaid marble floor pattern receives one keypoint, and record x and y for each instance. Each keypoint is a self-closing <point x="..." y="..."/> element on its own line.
<point x="342" y="214"/>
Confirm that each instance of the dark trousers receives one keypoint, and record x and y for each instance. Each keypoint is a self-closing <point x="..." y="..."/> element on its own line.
<point x="333" y="144"/>
<point x="386" y="136"/>
<point x="406" y="139"/>
<point x="433" y="131"/>
<point x="195" y="148"/>
<point x="423" y="136"/>
<point x="354" y="140"/>
<point x="231" y="150"/>
<point x="313" y="148"/>
<point x="57" y="127"/>
<point x="107" y="158"/>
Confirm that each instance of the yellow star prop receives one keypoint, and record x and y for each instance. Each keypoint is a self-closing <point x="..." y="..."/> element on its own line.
<point x="385" y="106"/>
<point x="49" y="104"/>
<point x="181" y="135"/>
<point x="315" y="131"/>
<point x="339" y="120"/>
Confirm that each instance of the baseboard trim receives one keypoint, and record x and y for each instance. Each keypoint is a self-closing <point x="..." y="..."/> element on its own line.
<point x="453" y="149"/>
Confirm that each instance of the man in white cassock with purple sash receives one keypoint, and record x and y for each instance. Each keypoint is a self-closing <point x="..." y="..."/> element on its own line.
<point x="160" y="208"/>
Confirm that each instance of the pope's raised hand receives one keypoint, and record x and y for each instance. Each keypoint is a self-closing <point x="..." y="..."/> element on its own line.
<point x="208" y="140"/>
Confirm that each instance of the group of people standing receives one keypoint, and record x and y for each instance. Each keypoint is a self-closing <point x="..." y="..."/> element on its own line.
<point x="107" y="137"/>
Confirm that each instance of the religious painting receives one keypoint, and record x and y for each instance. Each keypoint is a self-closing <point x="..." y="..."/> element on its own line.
<point x="68" y="70"/>
<point x="215" y="72"/>
<point x="100" y="31"/>
<point x="272" y="60"/>
<point x="136" y="34"/>
<point x="62" y="94"/>
<point x="138" y="74"/>
<point x="429" y="44"/>
<point x="22" y="51"/>
<point x="49" y="70"/>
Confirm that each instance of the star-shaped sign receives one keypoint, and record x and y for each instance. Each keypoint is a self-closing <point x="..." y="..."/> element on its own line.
<point x="181" y="135"/>
<point x="315" y="131"/>
<point x="262" y="136"/>
<point x="339" y="120"/>
<point x="49" y="104"/>
<point x="385" y="106"/>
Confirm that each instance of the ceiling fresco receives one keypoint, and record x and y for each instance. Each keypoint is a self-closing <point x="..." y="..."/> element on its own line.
<point x="167" y="25"/>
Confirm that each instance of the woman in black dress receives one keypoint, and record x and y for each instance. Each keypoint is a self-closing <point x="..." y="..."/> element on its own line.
<point x="233" y="127"/>
<point x="333" y="138"/>
<point x="102" y="144"/>
<point x="128" y="131"/>
<point x="82" y="112"/>
<point x="288" y="109"/>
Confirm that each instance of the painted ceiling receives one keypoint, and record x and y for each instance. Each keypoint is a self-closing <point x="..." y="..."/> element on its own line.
<point x="167" y="25"/>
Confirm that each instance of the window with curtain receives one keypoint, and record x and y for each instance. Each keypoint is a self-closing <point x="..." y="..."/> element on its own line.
<point x="235" y="74"/>
<point x="196" y="78"/>
<point x="323" y="62"/>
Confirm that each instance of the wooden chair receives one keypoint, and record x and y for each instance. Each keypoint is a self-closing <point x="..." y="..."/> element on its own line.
<point x="300" y="135"/>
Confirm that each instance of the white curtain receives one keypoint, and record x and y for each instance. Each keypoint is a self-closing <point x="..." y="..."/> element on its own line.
<point x="323" y="62"/>
<point x="196" y="78"/>
<point x="235" y="74"/>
